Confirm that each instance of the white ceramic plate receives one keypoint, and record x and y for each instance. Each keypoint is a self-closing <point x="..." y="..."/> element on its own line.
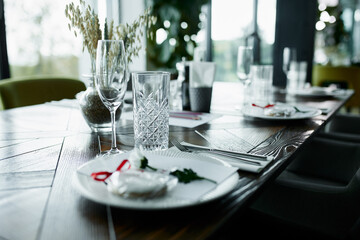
<point x="307" y="112"/>
<point x="319" y="92"/>
<point x="97" y="191"/>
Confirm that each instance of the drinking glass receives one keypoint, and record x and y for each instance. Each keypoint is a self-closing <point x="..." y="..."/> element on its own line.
<point x="289" y="56"/>
<point x="111" y="80"/>
<point x="261" y="85"/>
<point x="151" y="109"/>
<point x="244" y="61"/>
<point x="296" y="76"/>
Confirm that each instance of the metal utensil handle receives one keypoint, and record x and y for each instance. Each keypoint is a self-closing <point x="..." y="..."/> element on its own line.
<point x="235" y="154"/>
<point x="186" y="149"/>
<point x="252" y="162"/>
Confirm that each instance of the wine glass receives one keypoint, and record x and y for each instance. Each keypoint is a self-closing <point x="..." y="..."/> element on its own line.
<point x="111" y="80"/>
<point x="289" y="61"/>
<point x="244" y="62"/>
<point x="289" y="56"/>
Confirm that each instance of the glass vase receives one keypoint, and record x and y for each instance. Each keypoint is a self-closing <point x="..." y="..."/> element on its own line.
<point x="95" y="113"/>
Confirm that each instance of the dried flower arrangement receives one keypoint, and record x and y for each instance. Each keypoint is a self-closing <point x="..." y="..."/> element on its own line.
<point x="85" y="21"/>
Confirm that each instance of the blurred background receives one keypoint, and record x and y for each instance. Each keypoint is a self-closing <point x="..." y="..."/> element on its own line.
<point x="40" y="43"/>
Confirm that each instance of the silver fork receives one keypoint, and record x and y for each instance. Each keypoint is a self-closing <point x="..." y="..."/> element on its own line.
<point x="239" y="158"/>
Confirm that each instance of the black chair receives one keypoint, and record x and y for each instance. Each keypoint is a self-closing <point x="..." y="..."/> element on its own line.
<point x="318" y="192"/>
<point x="343" y="127"/>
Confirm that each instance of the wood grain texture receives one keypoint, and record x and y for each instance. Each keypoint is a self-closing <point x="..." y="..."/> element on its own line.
<point x="21" y="212"/>
<point x="79" y="218"/>
<point x="40" y="160"/>
<point x="23" y="180"/>
<point x="28" y="146"/>
<point x="287" y="140"/>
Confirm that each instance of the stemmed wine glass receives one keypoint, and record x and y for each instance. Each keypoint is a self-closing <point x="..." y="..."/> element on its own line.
<point x="111" y="80"/>
<point x="289" y="56"/>
<point x="244" y="62"/>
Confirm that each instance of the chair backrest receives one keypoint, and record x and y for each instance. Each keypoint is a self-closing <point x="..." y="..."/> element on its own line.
<point x="342" y="75"/>
<point x="345" y="123"/>
<point x="19" y="92"/>
<point x="329" y="159"/>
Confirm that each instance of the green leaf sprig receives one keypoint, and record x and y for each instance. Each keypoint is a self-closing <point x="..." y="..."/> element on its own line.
<point x="138" y="160"/>
<point x="144" y="163"/>
<point x="299" y="111"/>
<point x="188" y="175"/>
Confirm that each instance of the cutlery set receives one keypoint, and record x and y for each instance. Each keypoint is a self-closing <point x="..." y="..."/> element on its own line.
<point x="247" y="158"/>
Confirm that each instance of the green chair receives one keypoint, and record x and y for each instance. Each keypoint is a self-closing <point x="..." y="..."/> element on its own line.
<point x="19" y="92"/>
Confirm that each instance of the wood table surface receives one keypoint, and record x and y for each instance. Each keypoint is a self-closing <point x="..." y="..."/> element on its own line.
<point x="41" y="147"/>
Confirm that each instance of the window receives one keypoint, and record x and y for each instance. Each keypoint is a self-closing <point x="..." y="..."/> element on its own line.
<point x="38" y="40"/>
<point x="266" y="18"/>
<point x="232" y="22"/>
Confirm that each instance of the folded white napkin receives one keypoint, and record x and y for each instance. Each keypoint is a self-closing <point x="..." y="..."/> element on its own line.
<point x="201" y="74"/>
<point x="280" y="111"/>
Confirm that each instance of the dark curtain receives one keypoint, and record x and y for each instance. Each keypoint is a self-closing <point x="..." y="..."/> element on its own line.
<point x="4" y="62"/>
<point x="295" y="27"/>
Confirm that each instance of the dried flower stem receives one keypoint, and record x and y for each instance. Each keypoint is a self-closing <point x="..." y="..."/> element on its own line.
<point x="131" y="34"/>
<point x="85" y="21"/>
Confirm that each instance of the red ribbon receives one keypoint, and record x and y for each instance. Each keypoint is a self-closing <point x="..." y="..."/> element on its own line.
<point x="103" y="175"/>
<point x="267" y="106"/>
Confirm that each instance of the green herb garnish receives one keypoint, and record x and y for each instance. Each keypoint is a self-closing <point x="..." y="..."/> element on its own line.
<point x="138" y="160"/>
<point x="144" y="163"/>
<point x="299" y="111"/>
<point x="188" y="175"/>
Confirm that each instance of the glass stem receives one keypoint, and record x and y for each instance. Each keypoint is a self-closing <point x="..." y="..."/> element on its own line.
<point x="245" y="93"/>
<point x="113" y="142"/>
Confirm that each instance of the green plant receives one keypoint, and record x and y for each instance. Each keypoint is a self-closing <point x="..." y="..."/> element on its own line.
<point x="166" y="54"/>
<point x="335" y="32"/>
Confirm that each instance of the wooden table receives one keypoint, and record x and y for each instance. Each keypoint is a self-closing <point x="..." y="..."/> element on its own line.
<point x="41" y="147"/>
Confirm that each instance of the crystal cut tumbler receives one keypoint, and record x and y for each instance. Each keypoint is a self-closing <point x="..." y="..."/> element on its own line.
<point x="151" y="92"/>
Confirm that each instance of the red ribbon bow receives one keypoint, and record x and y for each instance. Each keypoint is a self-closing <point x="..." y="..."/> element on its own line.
<point x="103" y="175"/>
<point x="267" y="106"/>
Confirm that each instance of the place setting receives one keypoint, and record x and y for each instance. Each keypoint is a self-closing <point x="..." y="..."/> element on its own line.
<point x="296" y="74"/>
<point x="280" y="111"/>
<point x="151" y="176"/>
<point x="168" y="180"/>
<point x="259" y="100"/>
<point x="319" y="92"/>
